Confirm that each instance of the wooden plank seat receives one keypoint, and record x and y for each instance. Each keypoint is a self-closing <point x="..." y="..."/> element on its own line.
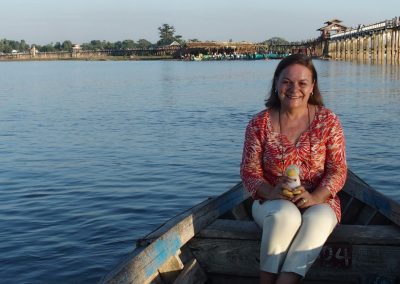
<point x="353" y="253"/>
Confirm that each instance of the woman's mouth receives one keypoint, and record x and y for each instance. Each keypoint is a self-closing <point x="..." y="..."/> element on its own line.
<point x="292" y="97"/>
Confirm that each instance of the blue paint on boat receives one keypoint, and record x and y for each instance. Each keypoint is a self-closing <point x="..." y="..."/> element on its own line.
<point x="163" y="249"/>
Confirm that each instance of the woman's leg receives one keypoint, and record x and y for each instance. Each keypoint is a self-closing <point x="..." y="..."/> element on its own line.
<point x="279" y="220"/>
<point x="318" y="222"/>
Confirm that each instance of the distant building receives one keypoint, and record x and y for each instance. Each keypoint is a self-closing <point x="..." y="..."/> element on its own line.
<point x="76" y="47"/>
<point x="332" y="27"/>
<point x="175" y="43"/>
<point x="33" y="50"/>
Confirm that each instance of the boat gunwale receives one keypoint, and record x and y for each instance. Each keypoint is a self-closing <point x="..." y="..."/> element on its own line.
<point x="164" y="242"/>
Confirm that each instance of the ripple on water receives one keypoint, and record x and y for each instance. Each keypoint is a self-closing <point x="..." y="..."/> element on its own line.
<point x="97" y="154"/>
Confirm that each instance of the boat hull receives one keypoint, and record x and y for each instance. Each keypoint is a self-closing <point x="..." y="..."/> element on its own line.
<point x="217" y="241"/>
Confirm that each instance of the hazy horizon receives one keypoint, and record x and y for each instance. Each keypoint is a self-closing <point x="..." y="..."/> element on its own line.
<point x="45" y="21"/>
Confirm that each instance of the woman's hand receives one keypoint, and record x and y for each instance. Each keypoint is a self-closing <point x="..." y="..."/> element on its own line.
<point x="304" y="199"/>
<point x="271" y="193"/>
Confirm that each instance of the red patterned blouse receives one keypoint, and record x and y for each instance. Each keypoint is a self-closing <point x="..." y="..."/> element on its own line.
<point x="319" y="153"/>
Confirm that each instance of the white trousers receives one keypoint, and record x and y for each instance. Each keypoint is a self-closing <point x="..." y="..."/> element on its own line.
<point x="291" y="241"/>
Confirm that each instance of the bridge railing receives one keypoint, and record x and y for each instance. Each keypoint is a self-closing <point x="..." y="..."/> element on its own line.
<point x="363" y="29"/>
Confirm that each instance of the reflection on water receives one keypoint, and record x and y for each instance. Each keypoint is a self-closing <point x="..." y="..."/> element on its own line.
<point x="96" y="154"/>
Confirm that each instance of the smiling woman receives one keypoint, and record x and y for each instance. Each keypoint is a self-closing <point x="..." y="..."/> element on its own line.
<point x="295" y="130"/>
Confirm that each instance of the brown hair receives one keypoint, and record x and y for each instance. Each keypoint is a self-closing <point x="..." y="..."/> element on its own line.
<point x="316" y="99"/>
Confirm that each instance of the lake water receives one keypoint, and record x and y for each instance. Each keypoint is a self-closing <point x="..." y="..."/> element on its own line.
<point x="94" y="155"/>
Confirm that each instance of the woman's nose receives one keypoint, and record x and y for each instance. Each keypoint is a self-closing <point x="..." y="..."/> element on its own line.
<point x="294" y="87"/>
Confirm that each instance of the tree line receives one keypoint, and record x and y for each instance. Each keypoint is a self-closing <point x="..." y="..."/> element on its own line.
<point x="167" y="35"/>
<point x="7" y="46"/>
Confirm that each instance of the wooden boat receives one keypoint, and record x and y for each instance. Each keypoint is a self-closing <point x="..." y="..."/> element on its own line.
<point x="218" y="242"/>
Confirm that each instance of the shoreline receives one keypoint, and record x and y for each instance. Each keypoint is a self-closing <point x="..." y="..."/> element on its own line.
<point x="14" y="58"/>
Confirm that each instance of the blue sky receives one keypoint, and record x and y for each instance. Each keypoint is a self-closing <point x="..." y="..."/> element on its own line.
<point x="45" y="21"/>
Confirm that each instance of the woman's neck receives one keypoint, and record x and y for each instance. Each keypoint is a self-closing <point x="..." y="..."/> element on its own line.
<point x="294" y="114"/>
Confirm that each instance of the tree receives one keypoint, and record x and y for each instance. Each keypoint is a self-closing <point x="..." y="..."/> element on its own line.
<point x="128" y="44"/>
<point x="276" y="41"/>
<point x="118" y="45"/>
<point x="109" y="46"/>
<point x="57" y="46"/>
<point x="47" y="48"/>
<point x="23" y="46"/>
<point x="66" y="45"/>
<point x="166" y="34"/>
<point x="143" y="43"/>
<point x="96" y="45"/>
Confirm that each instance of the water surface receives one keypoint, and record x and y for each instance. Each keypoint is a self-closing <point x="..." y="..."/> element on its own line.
<point x="97" y="154"/>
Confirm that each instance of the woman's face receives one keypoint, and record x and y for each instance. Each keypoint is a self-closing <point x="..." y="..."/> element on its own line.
<point x="295" y="85"/>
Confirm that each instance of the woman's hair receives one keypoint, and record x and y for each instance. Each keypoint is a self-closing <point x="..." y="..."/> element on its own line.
<point x="315" y="99"/>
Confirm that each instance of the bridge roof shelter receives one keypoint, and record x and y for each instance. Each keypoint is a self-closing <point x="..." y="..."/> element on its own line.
<point x="332" y="27"/>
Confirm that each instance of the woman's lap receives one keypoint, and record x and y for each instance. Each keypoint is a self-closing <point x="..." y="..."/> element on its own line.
<point x="294" y="239"/>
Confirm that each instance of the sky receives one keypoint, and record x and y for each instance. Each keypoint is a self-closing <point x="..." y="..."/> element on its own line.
<point x="50" y="21"/>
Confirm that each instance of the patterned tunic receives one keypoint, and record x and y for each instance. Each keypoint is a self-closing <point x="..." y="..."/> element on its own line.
<point x="319" y="153"/>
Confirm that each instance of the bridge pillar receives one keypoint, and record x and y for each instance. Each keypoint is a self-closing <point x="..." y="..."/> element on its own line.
<point x="389" y="46"/>
<point x="381" y="47"/>
<point x="360" y="48"/>
<point x="396" y="45"/>
<point x="350" y="48"/>
<point x="344" y="49"/>
<point x="337" y="49"/>
<point x="331" y="48"/>
<point x="366" y="48"/>
<point x="393" y="44"/>
<point x="373" y="48"/>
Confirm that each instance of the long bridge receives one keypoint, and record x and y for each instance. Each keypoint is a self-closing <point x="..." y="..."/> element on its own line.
<point x="378" y="42"/>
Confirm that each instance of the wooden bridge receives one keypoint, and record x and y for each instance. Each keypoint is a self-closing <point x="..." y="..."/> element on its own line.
<point x="379" y="42"/>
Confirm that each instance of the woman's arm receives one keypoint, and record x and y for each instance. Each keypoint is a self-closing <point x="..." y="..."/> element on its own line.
<point x="335" y="171"/>
<point x="251" y="169"/>
<point x="335" y="162"/>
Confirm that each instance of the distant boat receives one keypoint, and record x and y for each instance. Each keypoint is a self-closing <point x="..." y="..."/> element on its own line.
<point x="217" y="241"/>
<point x="276" y="55"/>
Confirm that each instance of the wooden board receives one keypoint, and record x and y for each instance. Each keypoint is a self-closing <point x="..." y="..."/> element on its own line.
<point x="351" y="234"/>
<point x="357" y="188"/>
<point x="227" y="256"/>
<point x="191" y="274"/>
<point x="170" y="270"/>
<point x="231" y="247"/>
<point x="241" y="257"/>
<point x="169" y="238"/>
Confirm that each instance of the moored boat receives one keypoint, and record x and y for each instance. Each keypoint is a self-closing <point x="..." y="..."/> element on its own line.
<point x="218" y="242"/>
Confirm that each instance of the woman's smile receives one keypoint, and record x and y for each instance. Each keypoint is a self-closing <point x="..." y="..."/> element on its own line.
<point x="294" y="97"/>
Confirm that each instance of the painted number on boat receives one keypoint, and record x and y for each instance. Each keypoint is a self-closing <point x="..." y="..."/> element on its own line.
<point x="335" y="256"/>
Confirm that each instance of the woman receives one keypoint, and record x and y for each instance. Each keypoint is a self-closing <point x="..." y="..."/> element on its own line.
<point x="294" y="129"/>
